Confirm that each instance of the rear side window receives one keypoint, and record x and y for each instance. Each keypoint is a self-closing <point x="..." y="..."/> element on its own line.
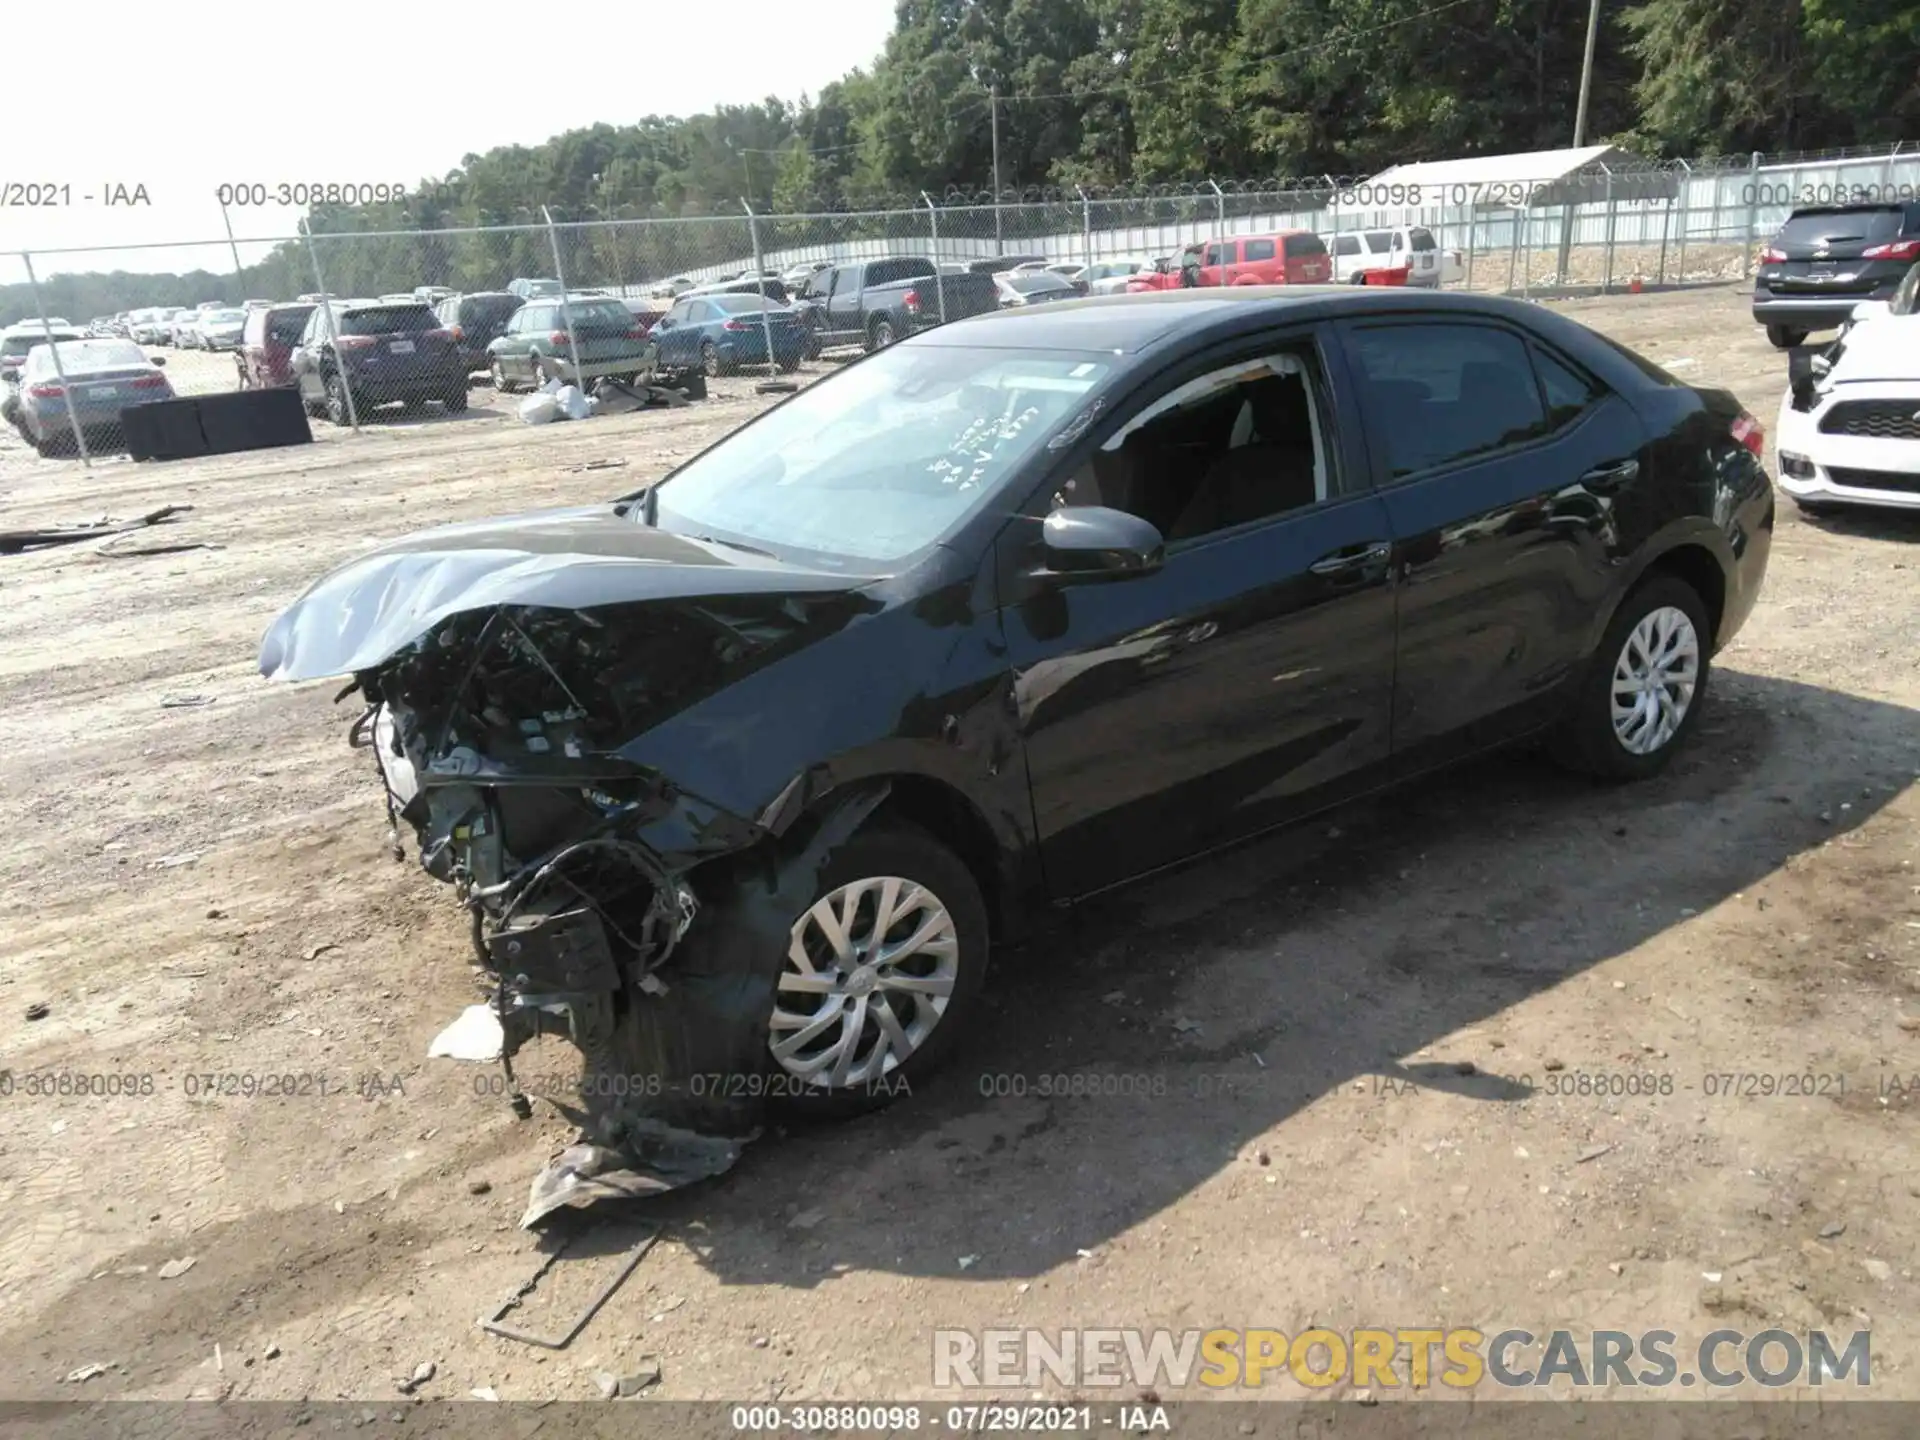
<point x="1569" y="393"/>
<point x="1379" y="241"/>
<point x="602" y="312"/>
<point x="1440" y="394"/>
<point x="1346" y="244"/>
<point x="388" y="320"/>
<point x="1259" y="250"/>
<point x="1304" y="247"/>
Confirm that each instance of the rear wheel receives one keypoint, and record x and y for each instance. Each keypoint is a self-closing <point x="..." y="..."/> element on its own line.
<point x="881" y="335"/>
<point x="1643" y="690"/>
<point x="1785" y="337"/>
<point x="709" y="359"/>
<point x="694" y="387"/>
<point x="500" y="380"/>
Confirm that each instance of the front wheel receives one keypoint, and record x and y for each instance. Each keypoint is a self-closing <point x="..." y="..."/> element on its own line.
<point x="879" y="975"/>
<point x="1785" y="337"/>
<point x="1643" y="690"/>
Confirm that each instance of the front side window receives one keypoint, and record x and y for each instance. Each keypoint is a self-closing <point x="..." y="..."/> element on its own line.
<point x="1438" y="394"/>
<point x="877" y="463"/>
<point x="1239" y="444"/>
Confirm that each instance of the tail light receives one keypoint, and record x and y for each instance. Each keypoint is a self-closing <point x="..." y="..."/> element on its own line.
<point x="1747" y="431"/>
<point x="1772" y="255"/>
<point x="736" y="325"/>
<point x="637" y="332"/>
<point x="1893" y="250"/>
<point x="147" y="382"/>
<point x="46" y="392"/>
<point x="558" y="339"/>
<point x="446" y="335"/>
<point x="456" y="332"/>
<point x="912" y="301"/>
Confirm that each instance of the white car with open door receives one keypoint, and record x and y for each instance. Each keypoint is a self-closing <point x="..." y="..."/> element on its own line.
<point x="1849" y="430"/>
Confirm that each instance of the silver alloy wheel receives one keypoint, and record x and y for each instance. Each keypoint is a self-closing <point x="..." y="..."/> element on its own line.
<point x="870" y="969"/>
<point x="1654" y="680"/>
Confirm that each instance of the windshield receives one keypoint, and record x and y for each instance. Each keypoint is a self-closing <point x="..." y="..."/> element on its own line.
<point x="388" y="320"/>
<point x="885" y="458"/>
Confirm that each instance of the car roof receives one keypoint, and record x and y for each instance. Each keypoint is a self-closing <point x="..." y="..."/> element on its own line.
<point x="1132" y="324"/>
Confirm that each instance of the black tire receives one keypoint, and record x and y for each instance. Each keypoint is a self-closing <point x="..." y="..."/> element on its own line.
<point x="1586" y="740"/>
<point x="888" y="847"/>
<point x="49" y="448"/>
<point x="694" y="386"/>
<point x="341" y="410"/>
<point x="881" y="334"/>
<point x="454" y="401"/>
<point x="1785" y="337"/>
<point x="709" y="359"/>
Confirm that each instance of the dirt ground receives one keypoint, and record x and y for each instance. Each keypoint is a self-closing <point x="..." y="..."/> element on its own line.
<point x="203" y="890"/>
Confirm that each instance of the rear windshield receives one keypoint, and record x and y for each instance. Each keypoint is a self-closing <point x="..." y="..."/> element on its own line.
<point x="388" y="320"/>
<point x="600" y="312"/>
<point x="489" y="307"/>
<point x="83" y="355"/>
<point x="284" y="326"/>
<point x="1420" y="239"/>
<point x="1808" y="227"/>
<point x="740" y="304"/>
<point x="882" y="272"/>
<point x="1300" y="247"/>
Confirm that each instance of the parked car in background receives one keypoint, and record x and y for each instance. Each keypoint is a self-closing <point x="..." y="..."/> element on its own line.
<point x="1411" y="248"/>
<point x="875" y="302"/>
<point x="1356" y="263"/>
<point x="1109" y="277"/>
<point x="797" y="275"/>
<point x="669" y="288"/>
<point x="183" y="329"/>
<point x="1849" y="429"/>
<point x="773" y="288"/>
<point x="1826" y="259"/>
<point x="256" y="304"/>
<point x="357" y="356"/>
<point x="1090" y="534"/>
<point x="1033" y="287"/>
<point x="477" y="320"/>
<point x="101" y="377"/>
<point x="221" y="329"/>
<point x="527" y="289"/>
<point x="434" y="294"/>
<point x="16" y="341"/>
<point x="536" y="343"/>
<point x="1286" y="257"/>
<point x="267" y="342"/>
<point x="401" y="298"/>
<point x="721" y="332"/>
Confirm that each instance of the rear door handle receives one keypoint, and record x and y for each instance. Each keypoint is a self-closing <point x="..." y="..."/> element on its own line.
<point x="1603" y="478"/>
<point x="1351" y="558"/>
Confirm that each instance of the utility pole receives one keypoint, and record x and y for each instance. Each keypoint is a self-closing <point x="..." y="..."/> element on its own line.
<point x="993" y="123"/>
<point x="1586" y="75"/>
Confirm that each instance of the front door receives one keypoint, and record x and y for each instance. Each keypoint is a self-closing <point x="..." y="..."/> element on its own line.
<point x="1249" y="679"/>
<point x="1500" y="463"/>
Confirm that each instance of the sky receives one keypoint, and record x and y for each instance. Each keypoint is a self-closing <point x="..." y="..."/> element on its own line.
<point x="169" y="97"/>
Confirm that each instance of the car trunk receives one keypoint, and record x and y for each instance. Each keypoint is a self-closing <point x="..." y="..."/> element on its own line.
<point x="1823" y="252"/>
<point x="104" y="393"/>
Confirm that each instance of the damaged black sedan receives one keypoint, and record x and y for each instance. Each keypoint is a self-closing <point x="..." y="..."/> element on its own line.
<point x="740" y="776"/>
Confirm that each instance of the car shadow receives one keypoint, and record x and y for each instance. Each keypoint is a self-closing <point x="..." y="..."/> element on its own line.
<point x="1182" y="1018"/>
<point x="1860" y="522"/>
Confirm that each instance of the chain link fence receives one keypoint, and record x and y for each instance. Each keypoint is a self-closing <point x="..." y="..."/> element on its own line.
<point x="370" y="325"/>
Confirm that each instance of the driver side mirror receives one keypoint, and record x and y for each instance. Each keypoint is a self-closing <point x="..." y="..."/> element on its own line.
<point x="1093" y="542"/>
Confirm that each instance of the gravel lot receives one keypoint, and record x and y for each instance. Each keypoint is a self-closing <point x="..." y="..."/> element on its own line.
<point x="204" y="891"/>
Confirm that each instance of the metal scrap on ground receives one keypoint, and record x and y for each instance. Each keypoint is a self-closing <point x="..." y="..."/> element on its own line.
<point x="492" y="1323"/>
<point x="13" y="542"/>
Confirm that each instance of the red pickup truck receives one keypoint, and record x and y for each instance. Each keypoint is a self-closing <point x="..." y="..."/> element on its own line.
<point x="1288" y="257"/>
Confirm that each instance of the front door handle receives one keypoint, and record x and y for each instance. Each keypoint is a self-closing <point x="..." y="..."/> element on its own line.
<point x="1605" y="478"/>
<point x="1351" y="558"/>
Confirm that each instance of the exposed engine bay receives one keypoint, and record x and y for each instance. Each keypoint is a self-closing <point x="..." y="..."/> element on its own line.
<point x="497" y="736"/>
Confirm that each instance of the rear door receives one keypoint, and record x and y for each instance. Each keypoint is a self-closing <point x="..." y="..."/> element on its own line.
<point x="1501" y="463"/>
<point x="1822" y="252"/>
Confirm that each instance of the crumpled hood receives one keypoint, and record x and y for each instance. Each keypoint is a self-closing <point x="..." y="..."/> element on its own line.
<point x="571" y="559"/>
